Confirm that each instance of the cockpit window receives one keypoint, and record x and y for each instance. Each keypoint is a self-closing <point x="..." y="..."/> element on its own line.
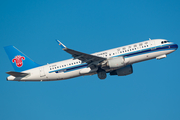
<point x="164" y="42"/>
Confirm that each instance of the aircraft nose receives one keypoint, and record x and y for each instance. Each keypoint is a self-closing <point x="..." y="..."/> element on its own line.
<point x="176" y="46"/>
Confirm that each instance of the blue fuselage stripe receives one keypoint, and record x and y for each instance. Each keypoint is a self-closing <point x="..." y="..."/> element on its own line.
<point x="152" y="49"/>
<point x="71" y="68"/>
<point x="130" y="54"/>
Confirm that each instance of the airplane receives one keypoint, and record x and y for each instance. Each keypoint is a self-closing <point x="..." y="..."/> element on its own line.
<point x="116" y="61"/>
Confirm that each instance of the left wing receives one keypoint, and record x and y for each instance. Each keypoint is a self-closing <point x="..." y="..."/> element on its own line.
<point x="89" y="59"/>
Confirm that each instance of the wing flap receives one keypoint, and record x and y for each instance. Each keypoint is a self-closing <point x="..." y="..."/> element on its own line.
<point x="17" y="74"/>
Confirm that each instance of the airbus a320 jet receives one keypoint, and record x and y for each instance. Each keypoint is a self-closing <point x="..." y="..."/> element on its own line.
<point x="116" y="61"/>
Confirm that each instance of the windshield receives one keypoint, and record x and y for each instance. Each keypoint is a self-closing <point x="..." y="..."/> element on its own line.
<point x="162" y="42"/>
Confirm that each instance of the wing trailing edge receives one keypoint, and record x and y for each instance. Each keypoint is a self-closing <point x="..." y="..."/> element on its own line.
<point x="84" y="57"/>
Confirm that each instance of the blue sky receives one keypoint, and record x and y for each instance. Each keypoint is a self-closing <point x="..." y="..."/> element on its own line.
<point x="151" y="92"/>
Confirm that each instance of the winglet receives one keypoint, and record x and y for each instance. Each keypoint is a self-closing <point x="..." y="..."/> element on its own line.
<point x="62" y="45"/>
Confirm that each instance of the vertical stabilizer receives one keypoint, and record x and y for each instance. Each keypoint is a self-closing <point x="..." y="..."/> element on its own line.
<point x="19" y="60"/>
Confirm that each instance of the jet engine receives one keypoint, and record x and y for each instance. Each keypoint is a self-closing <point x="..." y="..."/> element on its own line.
<point x="116" y="62"/>
<point x="123" y="71"/>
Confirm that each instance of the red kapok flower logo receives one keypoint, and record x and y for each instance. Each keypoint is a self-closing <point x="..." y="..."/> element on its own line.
<point x="18" y="59"/>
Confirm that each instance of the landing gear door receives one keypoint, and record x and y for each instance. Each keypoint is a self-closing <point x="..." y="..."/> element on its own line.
<point x="41" y="71"/>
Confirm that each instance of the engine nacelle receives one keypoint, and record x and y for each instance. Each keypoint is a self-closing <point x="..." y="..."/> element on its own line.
<point x="123" y="71"/>
<point x="116" y="62"/>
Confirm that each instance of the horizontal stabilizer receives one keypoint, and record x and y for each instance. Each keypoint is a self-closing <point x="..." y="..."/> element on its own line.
<point x="17" y="74"/>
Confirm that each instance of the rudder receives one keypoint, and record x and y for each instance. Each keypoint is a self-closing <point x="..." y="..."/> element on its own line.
<point x="19" y="60"/>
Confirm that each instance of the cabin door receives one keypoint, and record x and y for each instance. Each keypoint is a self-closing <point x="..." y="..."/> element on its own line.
<point x="152" y="43"/>
<point x="42" y="73"/>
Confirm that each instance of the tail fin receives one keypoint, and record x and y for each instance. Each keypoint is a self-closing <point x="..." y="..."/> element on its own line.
<point x="19" y="61"/>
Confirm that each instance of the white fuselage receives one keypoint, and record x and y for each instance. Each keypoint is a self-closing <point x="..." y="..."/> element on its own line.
<point x="70" y="68"/>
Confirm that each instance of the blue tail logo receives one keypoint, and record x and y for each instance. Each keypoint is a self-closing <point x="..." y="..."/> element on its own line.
<point x="18" y="59"/>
